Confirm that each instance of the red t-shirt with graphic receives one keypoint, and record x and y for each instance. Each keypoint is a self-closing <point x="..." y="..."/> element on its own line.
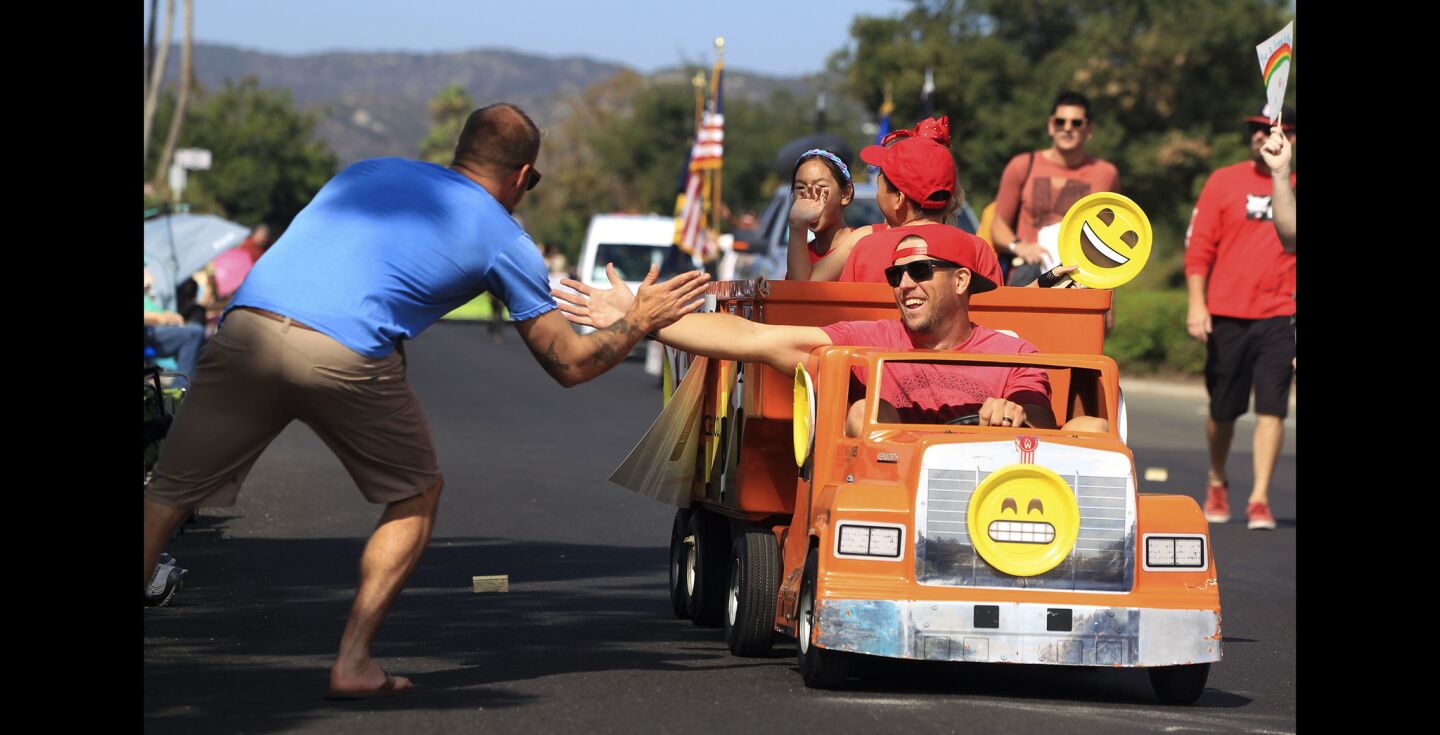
<point x="868" y="261"/>
<point x="931" y="393"/>
<point x="1232" y="241"/>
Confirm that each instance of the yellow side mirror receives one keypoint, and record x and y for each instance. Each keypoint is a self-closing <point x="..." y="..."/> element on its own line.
<point x="804" y="414"/>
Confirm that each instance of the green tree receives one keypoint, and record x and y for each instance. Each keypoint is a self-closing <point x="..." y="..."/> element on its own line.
<point x="267" y="163"/>
<point x="449" y="109"/>
<point x="622" y="146"/>
<point x="1169" y="83"/>
<point x="577" y="182"/>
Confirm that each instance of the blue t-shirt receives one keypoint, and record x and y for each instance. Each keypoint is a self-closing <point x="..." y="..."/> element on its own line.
<point x="389" y="246"/>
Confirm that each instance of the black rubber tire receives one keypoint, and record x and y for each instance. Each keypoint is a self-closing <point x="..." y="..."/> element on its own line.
<point x="709" y="556"/>
<point x="819" y="668"/>
<point x="1179" y="684"/>
<point x="750" y="595"/>
<point x="679" y="559"/>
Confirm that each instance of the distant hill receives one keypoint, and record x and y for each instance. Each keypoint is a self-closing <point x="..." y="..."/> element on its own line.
<point x="374" y="104"/>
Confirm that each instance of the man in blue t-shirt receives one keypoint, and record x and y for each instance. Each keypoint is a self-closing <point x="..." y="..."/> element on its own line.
<point x="315" y="333"/>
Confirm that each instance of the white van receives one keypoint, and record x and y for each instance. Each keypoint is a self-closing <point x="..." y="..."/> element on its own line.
<point x="633" y="242"/>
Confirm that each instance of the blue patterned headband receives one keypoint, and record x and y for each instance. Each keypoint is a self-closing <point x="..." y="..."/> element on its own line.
<point x="826" y="154"/>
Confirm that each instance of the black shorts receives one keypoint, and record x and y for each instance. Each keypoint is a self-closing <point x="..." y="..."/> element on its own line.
<point x="1242" y="353"/>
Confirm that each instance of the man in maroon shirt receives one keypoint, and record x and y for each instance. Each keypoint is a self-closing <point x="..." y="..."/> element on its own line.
<point x="1037" y="188"/>
<point x="933" y="275"/>
<point x="1241" y="285"/>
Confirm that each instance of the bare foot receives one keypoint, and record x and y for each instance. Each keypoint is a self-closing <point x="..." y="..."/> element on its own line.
<point x="365" y="680"/>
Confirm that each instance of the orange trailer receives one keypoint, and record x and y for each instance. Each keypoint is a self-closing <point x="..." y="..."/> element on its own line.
<point x="937" y="541"/>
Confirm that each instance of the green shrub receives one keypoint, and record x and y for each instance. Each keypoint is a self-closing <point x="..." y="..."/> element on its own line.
<point x="1150" y="335"/>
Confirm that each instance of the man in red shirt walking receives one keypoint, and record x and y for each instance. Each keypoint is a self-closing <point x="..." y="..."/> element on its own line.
<point x="1241" y="285"/>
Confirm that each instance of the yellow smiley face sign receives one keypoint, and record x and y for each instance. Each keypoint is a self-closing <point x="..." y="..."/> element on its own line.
<point x="1108" y="237"/>
<point x="1023" y="520"/>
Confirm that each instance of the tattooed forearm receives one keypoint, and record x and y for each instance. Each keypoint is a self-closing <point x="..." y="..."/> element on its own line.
<point x="551" y="361"/>
<point x="615" y="342"/>
<point x="572" y="360"/>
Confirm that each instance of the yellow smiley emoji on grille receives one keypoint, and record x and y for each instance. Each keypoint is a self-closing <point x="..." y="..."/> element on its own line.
<point x="1023" y="520"/>
<point x="1108" y="236"/>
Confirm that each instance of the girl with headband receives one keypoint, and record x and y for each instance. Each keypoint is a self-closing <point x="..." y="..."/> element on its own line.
<point x="821" y="188"/>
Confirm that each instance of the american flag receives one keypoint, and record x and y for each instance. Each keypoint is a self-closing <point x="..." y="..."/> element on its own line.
<point x="706" y="160"/>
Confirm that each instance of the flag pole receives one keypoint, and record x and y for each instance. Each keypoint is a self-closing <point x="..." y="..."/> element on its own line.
<point x="716" y="82"/>
<point x="699" y="83"/>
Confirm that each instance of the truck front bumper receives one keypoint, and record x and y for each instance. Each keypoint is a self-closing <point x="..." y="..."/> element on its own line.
<point x="1027" y="633"/>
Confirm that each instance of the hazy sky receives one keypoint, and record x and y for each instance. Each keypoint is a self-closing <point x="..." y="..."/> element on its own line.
<point x="783" y="37"/>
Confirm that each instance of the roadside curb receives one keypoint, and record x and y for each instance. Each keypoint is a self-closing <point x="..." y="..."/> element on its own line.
<point x="1144" y="387"/>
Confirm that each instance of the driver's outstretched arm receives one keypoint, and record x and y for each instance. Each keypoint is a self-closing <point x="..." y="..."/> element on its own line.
<point x="729" y="337"/>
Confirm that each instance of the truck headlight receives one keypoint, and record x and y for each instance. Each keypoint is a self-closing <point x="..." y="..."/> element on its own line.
<point x="1174" y="553"/>
<point x="869" y="541"/>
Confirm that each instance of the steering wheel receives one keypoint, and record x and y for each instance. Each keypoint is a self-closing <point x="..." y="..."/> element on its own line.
<point x="972" y="419"/>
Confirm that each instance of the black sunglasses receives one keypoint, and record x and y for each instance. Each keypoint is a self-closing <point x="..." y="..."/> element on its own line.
<point x="1076" y="123"/>
<point x="919" y="270"/>
<point x="533" y="179"/>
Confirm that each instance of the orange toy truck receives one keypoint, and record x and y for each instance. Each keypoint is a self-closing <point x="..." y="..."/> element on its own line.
<point x="946" y="542"/>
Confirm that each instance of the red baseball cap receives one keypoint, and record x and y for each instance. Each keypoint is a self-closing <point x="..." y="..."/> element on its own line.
<point x="1265" y="115"/>
<point x="946" y="243"/>
<point x="919" y="167"/>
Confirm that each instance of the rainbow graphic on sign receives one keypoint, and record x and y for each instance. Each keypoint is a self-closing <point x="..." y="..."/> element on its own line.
<point x="1274" y="56"/>
<point x="1281" y="56"/>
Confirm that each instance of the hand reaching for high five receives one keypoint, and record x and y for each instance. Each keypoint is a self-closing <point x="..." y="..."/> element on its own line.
<point x="653" y="307"/>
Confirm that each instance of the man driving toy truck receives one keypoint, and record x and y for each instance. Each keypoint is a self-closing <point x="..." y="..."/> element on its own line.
<point x="932" y="276"/>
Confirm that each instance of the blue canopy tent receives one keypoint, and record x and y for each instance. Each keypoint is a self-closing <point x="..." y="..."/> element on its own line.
<point x="178" y="245"/>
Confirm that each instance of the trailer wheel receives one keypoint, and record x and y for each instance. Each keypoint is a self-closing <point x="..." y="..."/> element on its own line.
<point x="1179" y="684"/>
<point x="680" y="564"/>
<point x="821" y="669"/>
<point x="754" y="583"/>
<point x="706" y="575"/>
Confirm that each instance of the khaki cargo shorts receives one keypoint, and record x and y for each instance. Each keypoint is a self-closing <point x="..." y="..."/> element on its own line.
<point x="256" y="376"/>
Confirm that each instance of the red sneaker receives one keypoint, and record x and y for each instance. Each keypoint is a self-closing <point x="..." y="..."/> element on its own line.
<point x="1260" y="518"/>
<point x="1217" y="504"/>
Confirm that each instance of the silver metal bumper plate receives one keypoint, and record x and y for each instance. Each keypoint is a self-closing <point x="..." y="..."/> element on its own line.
<point x="945" y="631"/>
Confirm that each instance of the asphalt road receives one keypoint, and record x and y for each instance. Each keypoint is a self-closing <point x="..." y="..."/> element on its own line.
<point x="584" y="641"/>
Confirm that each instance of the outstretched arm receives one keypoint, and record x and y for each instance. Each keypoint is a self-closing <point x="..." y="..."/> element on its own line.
<point x="721" y="336"/>
<point x="730" y="337"/>
<point x="572" y="359"/>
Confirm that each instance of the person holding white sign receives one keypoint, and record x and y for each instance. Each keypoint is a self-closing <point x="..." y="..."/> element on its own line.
<point x="1241" y="285"/>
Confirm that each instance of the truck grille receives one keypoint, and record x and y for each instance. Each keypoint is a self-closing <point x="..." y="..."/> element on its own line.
<point x="1102" y="560"/>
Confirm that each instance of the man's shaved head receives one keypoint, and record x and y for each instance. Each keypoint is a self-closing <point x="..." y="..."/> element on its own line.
<point x="498" y="139"/>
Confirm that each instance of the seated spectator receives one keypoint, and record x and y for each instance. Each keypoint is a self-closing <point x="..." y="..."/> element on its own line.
<point x="170" y="334"/>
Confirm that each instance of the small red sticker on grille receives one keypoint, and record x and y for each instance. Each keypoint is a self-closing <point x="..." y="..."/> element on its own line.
<point x="1026" y="445"/>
